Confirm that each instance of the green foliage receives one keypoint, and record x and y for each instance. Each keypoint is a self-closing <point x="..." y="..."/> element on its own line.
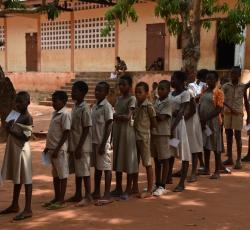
<point x="52" y="10"/>
<point x="13" y="4"/>
<point x="232" y="27"/>
<point x="211" y="7"/>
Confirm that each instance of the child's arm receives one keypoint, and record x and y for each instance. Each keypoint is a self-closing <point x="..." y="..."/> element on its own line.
<point x="191" y="109"/>
<point x="232" y="110"/>
<point x="78" y="152"/>
<point x="162" y="117"/>
<point x="247" y="107"/>
<point x="60" y="144"/>
<point x="107" y="132"/>
<point x="215" y="113"/>
<point x="124" y="117"/>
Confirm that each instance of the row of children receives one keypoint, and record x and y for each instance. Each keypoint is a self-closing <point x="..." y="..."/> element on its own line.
<point x="137" y="130"/>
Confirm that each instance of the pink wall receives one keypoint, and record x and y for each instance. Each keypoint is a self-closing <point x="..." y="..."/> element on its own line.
<point x="45" y="82"/>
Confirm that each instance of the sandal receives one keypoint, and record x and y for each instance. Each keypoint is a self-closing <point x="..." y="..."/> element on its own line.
<point x="215" y="176"/>
<point x="9" y="211"/>
<point x="103" y="202"/>
<point x="56" y="206"/>
<point x="179" y="189"/>
<point x="22" y="216"/>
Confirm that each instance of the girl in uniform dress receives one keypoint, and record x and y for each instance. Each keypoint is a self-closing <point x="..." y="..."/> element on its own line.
<point x="180" y="99"/>
<point x="17" y="164"/>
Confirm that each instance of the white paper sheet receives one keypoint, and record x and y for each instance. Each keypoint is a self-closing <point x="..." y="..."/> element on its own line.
<point x="45" y="159"/>
<point x="247" y="127"/>
<point x="13" y="116"/>
<point x="208" y="131"/>
<point x="174" y="142"/>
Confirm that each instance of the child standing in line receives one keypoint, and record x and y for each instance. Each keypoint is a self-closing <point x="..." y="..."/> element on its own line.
<point x="124" y="144"/>
<point x="102" y="119"/>
<point x="80" y="143"/>
<point x="57" y="147"/>
<point x="211" y="105"/>
<point x="17" y="164"/>
<point x="154" y="93"/>
<point x="234" y="92"/>
<point x="180" y="99"/>
<point x="144" y="119"/>
<point x="160" y="137"/>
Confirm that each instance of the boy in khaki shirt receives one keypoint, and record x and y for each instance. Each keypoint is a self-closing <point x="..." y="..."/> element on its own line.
<point x="102" y="118"/>
<point x="80" y="143"/>
<point x="144" y="119"/>
<point x="235" y="94"/>
<point x="57" y="147"/>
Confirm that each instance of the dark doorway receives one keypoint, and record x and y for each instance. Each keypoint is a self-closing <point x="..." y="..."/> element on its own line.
<point x="225" y="54"/>
<point x="31" y="51"/>
<point x="155" y="43"/>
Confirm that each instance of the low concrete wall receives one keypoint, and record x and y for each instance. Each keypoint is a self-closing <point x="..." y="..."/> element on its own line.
<point x="43" y="82"/>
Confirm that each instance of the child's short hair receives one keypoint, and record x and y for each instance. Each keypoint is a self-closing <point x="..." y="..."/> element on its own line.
<point x="144" y="85"/>
<point x="25" y="95"/>
<point x="60" y="95"/>
<point x="155" y="84"/>
<point x="105" y="85"/>
<point x="236" y="69"/>
<point x="165" y="84"/>
<point x="180" y="75"/>
<point x="81" y="86"/>
<point x="214" y="73"/>
<point x="128" y="78"/>
<point x="202" y="74"/>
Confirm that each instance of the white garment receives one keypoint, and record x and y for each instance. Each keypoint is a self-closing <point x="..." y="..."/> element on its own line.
<point x="196" y="89"/>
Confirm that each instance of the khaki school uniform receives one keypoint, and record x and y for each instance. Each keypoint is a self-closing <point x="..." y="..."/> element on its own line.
<point x="234" y="97"/>
<point x="160" y="135"/>
<point x="142" y="124"/>
<point x="81" y="118"/>
<point x="101" y="113"/>
<point x="60" y="122"/>
<point x="17" y="163"/>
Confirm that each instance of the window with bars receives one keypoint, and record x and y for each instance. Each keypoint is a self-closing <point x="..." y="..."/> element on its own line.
<point x="88" y="34"/>
<point x="56" y="35"/>
<point x="77" y="5"/>
<point x="2" y="37"/>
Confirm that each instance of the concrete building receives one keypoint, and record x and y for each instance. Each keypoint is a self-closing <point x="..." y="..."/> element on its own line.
<point x="72" y="43"/>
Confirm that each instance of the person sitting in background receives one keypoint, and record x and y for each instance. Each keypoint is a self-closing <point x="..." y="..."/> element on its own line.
<point x="154" y="93"/>
<point x="157" y="65"/>
<point x="121" y="66"/>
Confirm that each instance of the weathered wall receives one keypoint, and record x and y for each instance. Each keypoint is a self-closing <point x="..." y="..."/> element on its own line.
<point x="43" y="82"/>
<point x="16" y="44"/>
<point x="247" y="49"/>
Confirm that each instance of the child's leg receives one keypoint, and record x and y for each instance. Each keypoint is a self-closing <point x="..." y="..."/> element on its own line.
<point x="98" y="177"/>
<point x="63" y="187"/>
<point x="135" y="187"/>
<point x="184" y="170"/>
<point x="14" y="207"/>
<point x="193" y="176"/>
<point x="158" y="179"/>
<point x="57" y="189"/>
<point x="247" y="157"/>
<point x="78" y="193"/>
<point x="216" y="174"/>
<point x="170" y="172"/>
<point x="165" y="171"/>
<point x="118" y="188"/>
<point x="128" y="190"/>
<point x="229" y="135"/>
<point x="237" y="134"/>
<point x="108" y="180"/>
<point x="87" y="186"/>
<point x="200" y="156"/>
<point x="207" y="162"/>
<point x="150" y="179"/>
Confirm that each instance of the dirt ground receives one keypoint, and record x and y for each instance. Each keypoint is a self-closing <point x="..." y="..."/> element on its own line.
<point x="206" y="205"/>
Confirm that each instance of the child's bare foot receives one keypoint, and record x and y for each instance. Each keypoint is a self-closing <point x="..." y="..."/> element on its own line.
<point x="11" y="209"/>
<point x="145" y="195"/>
<point x="88" y="200"/>
<point x="179" y="188"/>
<point x="107" y="199"/>
<point x="23" y="215"/>
<point x="74" y="199"/>
<point x="228" y="162"/>
<point x="192" y="178"/>
<point x="238" y="165"/>
<point x="96" y="195"/>
<point x="215" y="176"/>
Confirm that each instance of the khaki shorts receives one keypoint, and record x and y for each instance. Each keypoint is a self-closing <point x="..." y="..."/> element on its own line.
<point x="102" y="162"/>
<point x="60" y="165"/>
<point x="160" y="147"/>
<point x="234" y="122"/>
<point x="82" y="166"/>
<point x="143" y="149"/>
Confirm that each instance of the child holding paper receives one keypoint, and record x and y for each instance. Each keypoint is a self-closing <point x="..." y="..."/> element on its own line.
<point x="17" y="164"/>
<point x="57" y="147"/>
<point x="211" y="105"/>
<point x="234" y="92"/>
<point x="180" y="99"/>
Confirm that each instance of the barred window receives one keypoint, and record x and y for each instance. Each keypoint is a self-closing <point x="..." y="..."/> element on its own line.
<point x="2" y="38"/>
<point x="77" y="5"/>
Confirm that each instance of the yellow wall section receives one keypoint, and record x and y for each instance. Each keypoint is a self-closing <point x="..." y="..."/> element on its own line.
<point x="16" y="45"/>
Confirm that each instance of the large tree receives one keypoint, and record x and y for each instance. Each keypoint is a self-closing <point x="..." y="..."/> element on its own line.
<point x="182" y="17"/>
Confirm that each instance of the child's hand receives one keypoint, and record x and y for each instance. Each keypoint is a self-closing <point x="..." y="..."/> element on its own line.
<point x="55" y="154"/>
<point x="102" y="149"/>
<point x="235" y="112"/>
<point x="78" y="153"/>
